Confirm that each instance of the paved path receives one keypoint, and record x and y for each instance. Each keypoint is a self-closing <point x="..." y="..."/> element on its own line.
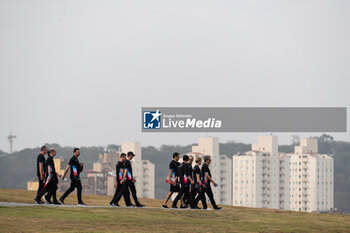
<point x="16" y="204"/>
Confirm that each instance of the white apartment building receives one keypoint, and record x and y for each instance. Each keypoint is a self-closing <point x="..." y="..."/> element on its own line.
<point x="311" y="178"/>
<point x="284" y="182"/>
<point x="256" y="175"/>
<point x="220" y="167"/>
<point x="143" y="170"/>
<point x="301" y="181"/>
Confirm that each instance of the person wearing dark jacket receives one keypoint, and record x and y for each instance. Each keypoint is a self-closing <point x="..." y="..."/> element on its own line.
<point x="185" y="180"/>
<point x="51" y="180"/>
<point x="121" y="188"/>
<point x="40" y="169"/>
<point x="172" y="178"/>
<point x="75" y="169"/>
<point x="197" y="191"/>
<point x="188" y="199"/>
<point x="206" y="180"/>
<point x="129" y="178"/>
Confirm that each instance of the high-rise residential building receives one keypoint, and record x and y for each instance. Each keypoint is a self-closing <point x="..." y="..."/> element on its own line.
<point x="284" y="182"/>
<point x="143" y="170"/>
<point x="256" y="175"/>
<point x="311" y="178"/>
<point x="301" y="181"/>
<point x="220" y="167"/>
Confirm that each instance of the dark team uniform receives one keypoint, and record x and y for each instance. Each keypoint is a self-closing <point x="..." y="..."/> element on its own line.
<point x="188" y="199"/>
<point x="75" y="170"/>
<point x="183" y="171"/>
<point x="129" y="181"/>
<point x="207" y="188"/>
<point x="196" y="171"/>
<point x="190" y="170"/>
<point x="50" y="185"/>
<point x="197" y="185"/>
<point x="40" y="160"/>
<point x="121" y="189"/>
<point x="174" y="173"/>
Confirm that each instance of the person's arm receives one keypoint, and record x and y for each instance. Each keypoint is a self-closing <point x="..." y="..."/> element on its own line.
<point x="58" y="174"/>
<point x="198" y="178"/>
<point x="41" y="170"/>
<point x="116" y="178"/>
<point x="116" y="175"/>
<point x="190" y="178"/>
<point x="209" y="178"/>
<point x="124" y="175"/>
<point x="173" y="182"/>
<point x="169" y="175"/>
<point x="121" y="170"/>
<point x="65" y="172"/>
<point x="49" y="171"/>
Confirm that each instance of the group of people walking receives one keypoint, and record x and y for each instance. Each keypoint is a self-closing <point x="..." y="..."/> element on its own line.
<point x="190" y="183"/>
<point x="48" y="177"/>
<point x="125" y="182"/>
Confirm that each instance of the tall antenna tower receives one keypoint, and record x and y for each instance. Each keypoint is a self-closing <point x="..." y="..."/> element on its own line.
<point x="10" y="138"/>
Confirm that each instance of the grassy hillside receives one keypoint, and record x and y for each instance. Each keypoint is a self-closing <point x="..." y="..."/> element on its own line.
<point x="231" y="219"/>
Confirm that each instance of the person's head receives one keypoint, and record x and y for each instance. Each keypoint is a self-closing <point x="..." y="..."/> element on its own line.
<point x="185" y="158"/>
<point x="190" y="159"/>
<point x="122" y="157"/>
<point x="176" y="156"/>
<point x="207" y="160"/>
<point x="76" y="152"/>
<point x="130" y="155"/>
<point x="52" y="152"/>
<point x="43" y="150"/>
<point x="198" y="161"/>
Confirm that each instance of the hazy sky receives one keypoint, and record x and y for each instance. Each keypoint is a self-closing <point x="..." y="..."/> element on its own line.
<point x="78" y="72"/>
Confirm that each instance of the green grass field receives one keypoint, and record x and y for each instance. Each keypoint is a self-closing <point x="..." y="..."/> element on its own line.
<point x="231" y="219"/>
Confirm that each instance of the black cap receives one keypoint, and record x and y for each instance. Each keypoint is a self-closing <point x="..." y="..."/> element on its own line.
<point x="130" y="153"/>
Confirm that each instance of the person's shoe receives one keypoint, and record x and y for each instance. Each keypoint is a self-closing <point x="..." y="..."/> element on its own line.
<point x="61" y="200"/>
<point x="47" y="201"/>
<point x="184" y="207"/>
<point x="217" y="208"/>
<point x="38" y="201"/>
<point x="195" y="207"/>
<point x="56" y="203"/>
<point x="174" y="206"/>
<point x="165" y="207"/>
<point x="81" y="203"/>
<point x="130" y="206"/>
<point x="114" y="204"/>
<point x="206" y="208"/>
<point x="140" y="205"/>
